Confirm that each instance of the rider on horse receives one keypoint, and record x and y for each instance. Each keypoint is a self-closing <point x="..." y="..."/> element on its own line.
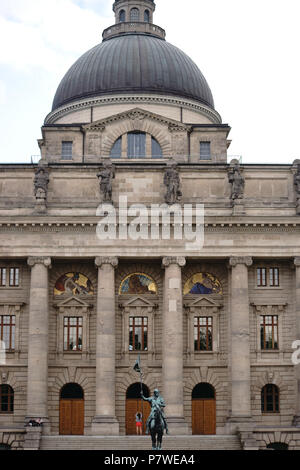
<point x="157" y="402"/>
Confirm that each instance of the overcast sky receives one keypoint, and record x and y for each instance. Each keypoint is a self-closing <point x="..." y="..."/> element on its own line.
<point x="248" y="50"/>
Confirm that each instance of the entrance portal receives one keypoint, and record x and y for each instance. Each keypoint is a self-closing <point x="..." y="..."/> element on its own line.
<point x="134" y="404"/>
<point x="204" y="409"/>
<point x="71" y="410"/>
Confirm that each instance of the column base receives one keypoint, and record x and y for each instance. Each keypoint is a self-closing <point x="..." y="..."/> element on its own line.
<point x="105" y="426"/>
<point x="177" y="426"/>
<point x="244" y="427"/>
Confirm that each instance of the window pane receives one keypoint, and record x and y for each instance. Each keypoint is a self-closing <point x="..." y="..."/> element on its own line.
<point x="138" y="334"/>
<point x="156" y="149"/>
<point x="67" y="150"/>
<point x="116" y="150"/>
<point x="136" y="145"/>
<point x="122" y="16"/>
<point x="2" y="277"/>
<point x="135" y="14"/>
<point x="205" y="151"/>
<point x="147" y="16"/>
<point x="14" y="274"/>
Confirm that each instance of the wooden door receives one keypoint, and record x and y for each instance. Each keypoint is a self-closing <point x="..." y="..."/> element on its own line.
<point x="71" y="417"/>
<point x="134" y="405"/>
<point x="204" y="416"/>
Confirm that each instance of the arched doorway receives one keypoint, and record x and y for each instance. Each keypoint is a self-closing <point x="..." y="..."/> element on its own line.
<point x="71" y="410"/>
<point x="135" y="404"/>
<point x="204" y="409"/>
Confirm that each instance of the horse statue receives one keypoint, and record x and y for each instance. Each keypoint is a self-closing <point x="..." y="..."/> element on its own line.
<point x="156" y="422"/>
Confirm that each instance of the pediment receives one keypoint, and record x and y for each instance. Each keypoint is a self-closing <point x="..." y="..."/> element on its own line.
<point x="138" y="302"/>
<point x="73" y="302"/>
<point x="136" y="114"/>
<point x="203" y="301"/>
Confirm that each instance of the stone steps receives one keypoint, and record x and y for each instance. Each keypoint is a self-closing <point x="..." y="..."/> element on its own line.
<point x="219" y="442"/>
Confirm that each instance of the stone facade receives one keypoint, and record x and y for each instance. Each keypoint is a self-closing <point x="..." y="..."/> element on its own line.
<point x="258" y="229"/>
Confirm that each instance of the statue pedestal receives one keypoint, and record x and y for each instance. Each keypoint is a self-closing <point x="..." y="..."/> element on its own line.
<point x="40" y="207"/>
<point x="238" y="207"/>
<point x="177" y="426"/>
<point x="105" y="426"/>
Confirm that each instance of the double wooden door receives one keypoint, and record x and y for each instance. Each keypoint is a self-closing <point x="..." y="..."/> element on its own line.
<point x="204" y="416"/>
<point x="133" y="406"/>
<point x="71" y="417"/>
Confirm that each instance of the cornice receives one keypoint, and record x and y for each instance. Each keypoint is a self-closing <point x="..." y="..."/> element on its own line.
<point x="227" y="227"/>
<point x="132" y="99"/>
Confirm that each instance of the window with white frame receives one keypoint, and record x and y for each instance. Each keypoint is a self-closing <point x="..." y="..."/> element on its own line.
<point x="205" y="151"/>
<point x="67" y="150"/>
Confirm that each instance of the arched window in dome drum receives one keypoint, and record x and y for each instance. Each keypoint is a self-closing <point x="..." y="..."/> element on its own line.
<point x="136" y="145"/>
<point x="134" y="14"/>
<point x="156" y="149"/>
<point x="116" y="150"/>
<point x="122" y="16"/>
<point x="147" y="16"/>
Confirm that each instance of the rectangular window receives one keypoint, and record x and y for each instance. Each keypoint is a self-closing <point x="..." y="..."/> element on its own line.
<point x="261" y="277"/>
<point x="274" y="277"/>
<point x="14" y="277"/>
<point x="138" y="334"/>
<point x="7" y="331"/>
<point x="205" y="153"/>
<point x="269" y="332"/>
<point x="2" y="277"/>
<point x="73" y="334"/>
<point x="66" y="150"/>
<point x="203" y="331"/>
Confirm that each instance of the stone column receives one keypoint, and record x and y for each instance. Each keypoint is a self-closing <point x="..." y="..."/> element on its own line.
<point x="105" y="422"/>
<point x="37" y="375"/>
<point x="297" y="337"/>
<point x="240" y="340"/>
<point x="172" y="345"/>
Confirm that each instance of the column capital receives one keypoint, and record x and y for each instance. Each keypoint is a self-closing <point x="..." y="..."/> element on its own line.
<point x="297" y="261"/>
<point x="168" y="260"/>
<point x="112" y="260"/>
<point x="235" y="260"/>
<point x="33" y="260"/>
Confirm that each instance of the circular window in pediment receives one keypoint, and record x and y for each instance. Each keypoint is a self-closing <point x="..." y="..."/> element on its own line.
<point x="138" y="283"/>
<point x="73" y="284"/>
<point x="202" y="283"/>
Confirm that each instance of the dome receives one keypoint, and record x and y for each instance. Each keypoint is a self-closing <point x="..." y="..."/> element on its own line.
<point x="133" y="63"/>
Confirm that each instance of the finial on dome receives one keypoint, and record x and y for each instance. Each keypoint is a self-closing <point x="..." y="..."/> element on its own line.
<point x="136" y="11"/>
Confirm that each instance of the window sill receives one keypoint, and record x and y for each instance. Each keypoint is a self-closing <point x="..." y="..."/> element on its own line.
<point x="268" y="288"/>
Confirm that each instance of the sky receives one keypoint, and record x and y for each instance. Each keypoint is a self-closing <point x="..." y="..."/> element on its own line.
<point x="248" y="50"/>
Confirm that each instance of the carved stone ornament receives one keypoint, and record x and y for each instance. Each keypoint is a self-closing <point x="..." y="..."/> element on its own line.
<point x="297" y="181"/>
<point x="112" y="260"/>
<point x="297" y="261"/>
<point x="173" y="184"/>
<point x="105" y="176"/>
<point x="33" y="260"/>
<point x="179" y="260"/>
<point x="236" y="180"/>
<point x="235" y="260"/>
<point x="41" y="181"/>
